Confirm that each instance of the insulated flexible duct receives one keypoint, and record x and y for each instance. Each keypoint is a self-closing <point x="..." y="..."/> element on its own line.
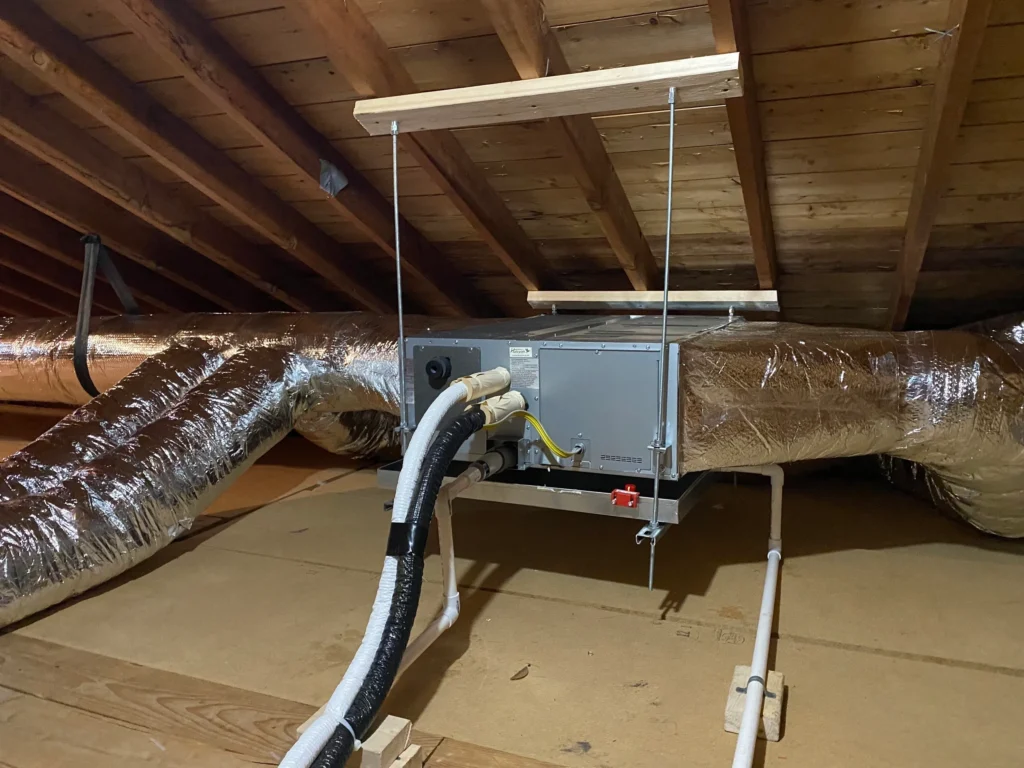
<point x="116" y="481"/>
<point x="356" y="416"/>
<point x="121" y="477"/>
<point x="109" y="420"/>
<point x="950" y="402"/>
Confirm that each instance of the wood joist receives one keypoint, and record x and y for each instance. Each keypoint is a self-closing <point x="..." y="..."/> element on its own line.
<point x="843" y="91"/>
<point x="209" y="63"/>
<point x="356" y="48"/>
<point x="533" y="48"/>
<point x="729" y="20"/>
<point x="961" y="48"/>
<point x="50" y="52"/>
<point x="49" y="274"/>
<point x="184" y="280"/>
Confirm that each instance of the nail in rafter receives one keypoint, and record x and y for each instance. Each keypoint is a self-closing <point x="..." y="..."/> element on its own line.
<point x="966" y="23"/>
<point x="359" y="53"/>
<point x="47" y="50"/>
<point x="207" y="61"/>
<point x="729" y="24"/>
<point x="534" y="50"/>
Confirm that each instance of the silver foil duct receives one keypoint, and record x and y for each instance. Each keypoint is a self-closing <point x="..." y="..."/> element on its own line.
<point x="951" y="402"/>
<point x="124" y="475"/>
<point x="128" y="472"/>
<point x="109" y="420"/>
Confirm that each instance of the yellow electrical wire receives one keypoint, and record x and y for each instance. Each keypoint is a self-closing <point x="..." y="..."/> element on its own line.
<point x="552" y="446"/>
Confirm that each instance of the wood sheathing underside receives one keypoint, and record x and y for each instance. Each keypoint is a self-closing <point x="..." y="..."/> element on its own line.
<point x="218" y="208"/>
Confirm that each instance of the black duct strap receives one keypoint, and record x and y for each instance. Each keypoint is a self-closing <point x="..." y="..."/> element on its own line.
<point x="96" y="254"/>
<point x="406" y="538"/>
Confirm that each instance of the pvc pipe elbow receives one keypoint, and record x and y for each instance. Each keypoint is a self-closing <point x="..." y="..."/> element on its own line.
<point x="450" y="612"/>
<point x="485" y="383"/>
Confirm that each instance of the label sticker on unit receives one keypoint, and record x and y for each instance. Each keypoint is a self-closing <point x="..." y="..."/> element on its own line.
<point x="410" y="387"/>
<point x="524" y="367"/>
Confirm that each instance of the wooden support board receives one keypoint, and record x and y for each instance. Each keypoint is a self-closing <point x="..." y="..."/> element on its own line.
<point x="759" y="301"/>
<point x="770" y="727"/>
<point x="698" y="81"/>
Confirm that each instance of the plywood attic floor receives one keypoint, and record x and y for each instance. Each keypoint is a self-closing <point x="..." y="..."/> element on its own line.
<point x="899" y="632"/>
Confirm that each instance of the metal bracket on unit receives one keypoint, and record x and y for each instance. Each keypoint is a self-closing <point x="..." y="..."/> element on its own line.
<point x="651" y="531"/>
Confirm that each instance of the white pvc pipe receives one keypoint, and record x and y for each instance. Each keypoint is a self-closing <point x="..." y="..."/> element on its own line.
<point x="450" y="607"/>
<point x="778" y="478"/>
<point x="446" y="545"/>
<point x="751" y="721"/>
<point x="749" y="725"/>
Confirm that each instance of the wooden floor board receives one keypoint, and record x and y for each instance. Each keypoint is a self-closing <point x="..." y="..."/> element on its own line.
<point x="62" y="707"/>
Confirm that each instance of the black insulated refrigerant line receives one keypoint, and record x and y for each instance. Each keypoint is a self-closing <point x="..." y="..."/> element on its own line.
<point x="406" y="543"/>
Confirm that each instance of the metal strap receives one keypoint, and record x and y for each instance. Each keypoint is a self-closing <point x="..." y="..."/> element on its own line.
<point x="113" y="276"/>
<point x="96" y="254"/>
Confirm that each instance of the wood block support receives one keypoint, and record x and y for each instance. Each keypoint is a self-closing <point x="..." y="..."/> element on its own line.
<point x="707" y="301"/>
<point x="771" y="710"/>
<point x="387" y="747"/>
<point x="411" y="758"/>
<point x="390" y="740"/>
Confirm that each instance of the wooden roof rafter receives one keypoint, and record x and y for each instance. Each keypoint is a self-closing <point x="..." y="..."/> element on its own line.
<point x="51" y="274"/>
<point x="961" y="47"/>
<point x="17" y="283"/>
<point x="43" y="47"/>
<point x="39" y="130"/>
<point x="209" y="63"/>
<point x="729" y="24"/>
<point x="524" y="31"/>
<point x="360" y="54"/>
<point x="13" y="304"/>
<point x="42" y="199"/>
